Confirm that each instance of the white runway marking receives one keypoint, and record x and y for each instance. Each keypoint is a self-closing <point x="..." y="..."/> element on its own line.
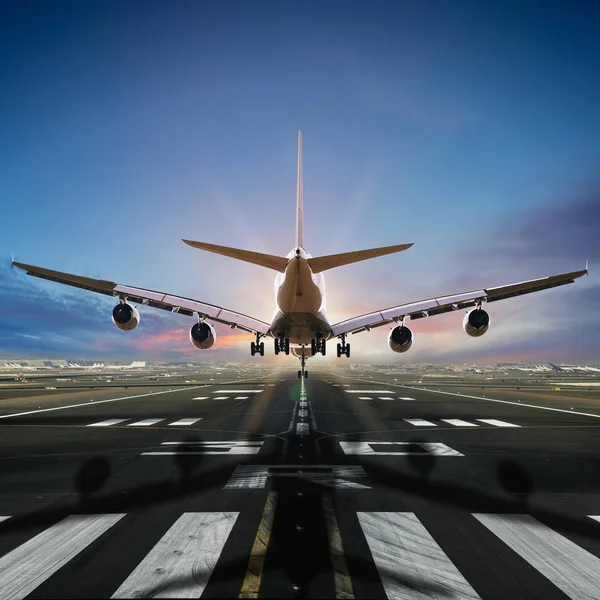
<point x="562" y="410"/>
<point x="459" y="423"/>
<point x="406" y="398"/>
<point x="569" y="567"/>
<point x="201" y="398"/>
<point x="32" y="563"/>
<point x="368" y="392"/>
<point x="4" y="518"/>
<point x="106" y="423"/>
<point x="302" y="429"/>
<point x="145" y="423"/>
<point x="303" y="413"/>
<point x="497" y="423"/>
<point x="595" y="517"/>
<point x="181" y="563"/>
<point x="420" y="423"/>
<point x="385" y="398"/>
<point x="220" y="397"/>
<point x="237" y="392"/>
<point x="364" y="398"/>
<point x="184" y="422"/>
<point x="241" y="397"/>
<point x="225" y="448"/>
<point x="400" y="544"/>
<point x="365" y="449"/>
<point x="95" y="402"/>
<point x="255" y="476"/>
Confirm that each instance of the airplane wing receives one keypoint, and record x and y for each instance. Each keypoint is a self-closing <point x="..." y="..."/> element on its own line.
<point x="184" y="306"/>
<point x="444" y="304"/>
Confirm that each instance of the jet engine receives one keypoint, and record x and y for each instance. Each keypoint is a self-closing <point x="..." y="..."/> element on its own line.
<point x="476" y="322"/>
<point x="400" y="339"/>
<point x="125" y="317"/>
<point x="203" y="336"/>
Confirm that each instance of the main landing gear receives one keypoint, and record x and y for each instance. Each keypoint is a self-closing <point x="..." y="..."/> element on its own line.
<point x="257" y="347"/>
<point x="282" y="344"/>
<point x="303" y="373"/>
<point x="318" y="345"/>
<point x="343" y="348"/>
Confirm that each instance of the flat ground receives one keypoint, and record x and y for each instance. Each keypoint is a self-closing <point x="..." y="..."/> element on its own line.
<point x="365" y="486"/>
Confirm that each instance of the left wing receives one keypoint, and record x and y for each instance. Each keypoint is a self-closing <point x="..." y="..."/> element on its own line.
<point x="184" y="306"/>
<point x="437" y="306"/>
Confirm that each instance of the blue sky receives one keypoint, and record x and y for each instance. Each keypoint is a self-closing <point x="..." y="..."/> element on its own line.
<point x="468" y="128"/>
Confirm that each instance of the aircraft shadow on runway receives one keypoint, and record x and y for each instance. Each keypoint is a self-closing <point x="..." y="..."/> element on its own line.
<point x="297" y="556"/>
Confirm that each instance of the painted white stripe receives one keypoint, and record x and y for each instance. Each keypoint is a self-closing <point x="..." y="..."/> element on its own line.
<point x="400" y="544"/>
<point x="303" y="404"/>
<point x="201" y="398"/>
<point x="406" y="398"/>
<point x="145" y="423"/>
<point x="569" y="567"/>
<point x="225" y="452"/>
<point x="368" y="391"/>
<point x="385" y="398"/>
<point x="562" y="410"/>
<point x="181" y="563"/>
<point x="420" y="423"/>
<point x="184" y="422"/>
<point x="497" y="423"/>
<point x="237" y="391"/>
<point x="4" y="518"/>
<point x="364" y="448"/>
<point x="220" y="397"/>
<point x="241" y="398"/>
<point x="459" y="423"/>
<point x="95" y="402"/>
<point x="106" y="423"/>
<point x="595" y="517"/>
<point x="229" y="443"/>
<point x="32" y="563"/>
<point x="302" y="429"/>
<point x="364" y="398"/>
<point x="303" y="414"/>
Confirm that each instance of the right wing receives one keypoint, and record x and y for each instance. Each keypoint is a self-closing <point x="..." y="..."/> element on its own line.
<point x="177" y="304"/>
<point x="438" y="306"/>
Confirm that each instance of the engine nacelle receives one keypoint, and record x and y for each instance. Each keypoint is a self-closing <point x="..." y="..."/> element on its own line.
<point x="400" y="339"/>
<point x="476" y="322"/>
<point x="125" y="317"/>
<point x="203" y="336"/>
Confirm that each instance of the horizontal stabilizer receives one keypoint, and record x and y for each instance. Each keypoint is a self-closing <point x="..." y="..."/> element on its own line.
<point x="278" y="263"/>
<point x="322" y="263"/>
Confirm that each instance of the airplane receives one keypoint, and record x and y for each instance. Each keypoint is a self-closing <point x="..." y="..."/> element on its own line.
<point x="300" y="325"/>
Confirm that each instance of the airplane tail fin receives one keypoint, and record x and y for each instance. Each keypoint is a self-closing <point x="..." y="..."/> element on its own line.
<point x="322" y="263"/>
<point x="299" y="202"/>
<point x="278" y="263"/>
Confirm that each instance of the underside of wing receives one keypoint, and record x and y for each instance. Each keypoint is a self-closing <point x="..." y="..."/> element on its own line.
<point x="437" y="306"/>
<point x="176" y="304"/>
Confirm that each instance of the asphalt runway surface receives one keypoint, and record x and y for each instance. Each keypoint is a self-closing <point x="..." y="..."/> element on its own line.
<point x="270" y="487"/>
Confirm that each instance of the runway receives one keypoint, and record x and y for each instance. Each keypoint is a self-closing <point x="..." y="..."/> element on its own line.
<point x="263" y="486"/>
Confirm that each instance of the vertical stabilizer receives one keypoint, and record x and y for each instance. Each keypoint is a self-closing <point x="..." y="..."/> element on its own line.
<point x="299" y="228"/>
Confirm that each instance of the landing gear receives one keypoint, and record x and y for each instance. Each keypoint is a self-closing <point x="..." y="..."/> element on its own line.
<point x="318" y="345"/>
<point x="303" y="372"/>
<point x="257" y="347"/>
<point x="343" y="348"/>
<point x="282" y="344"/>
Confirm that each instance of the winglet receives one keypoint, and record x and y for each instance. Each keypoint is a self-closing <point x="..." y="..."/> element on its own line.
<point x="12" y="260"/>
<point x="586" y="266"/>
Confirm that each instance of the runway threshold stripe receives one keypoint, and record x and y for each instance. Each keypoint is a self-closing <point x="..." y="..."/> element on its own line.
<point x="256" y="562"/>
<point x="145" y="423"/>
<point x="341" y="576"/>
<point x="181" y="563"/>
<point x="420" y="423"/>
<point x="497" y="423"/>
<point x="4" y="518"/>
<point x="35" y="561"/>
<point x="459" y="423"/>
<point x="400" y="543"/>
<point x="184" y="422"/>
<point x="569" y="567"/>
<point x="201" y="398"/>
<point x="106" y="423"/>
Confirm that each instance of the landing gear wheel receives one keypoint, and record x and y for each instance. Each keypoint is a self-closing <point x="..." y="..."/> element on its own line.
<point x="287" y="346"/>
<point x="339" y="350"/>
<point x="305" y="374"/>
<point x="323" y="349"/>
<point x="261" y="348"/>
<point x="313" y="347"/>
<point x="252" y="348"/>
<point x="276" y="346"/>
<point x="347" y="350"/>
<point x="299" y="374"/>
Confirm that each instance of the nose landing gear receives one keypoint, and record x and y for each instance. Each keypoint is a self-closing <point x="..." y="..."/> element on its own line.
<point x="303" y="373"/>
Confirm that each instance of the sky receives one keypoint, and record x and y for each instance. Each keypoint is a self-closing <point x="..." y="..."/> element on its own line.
<point x="470" y="129"/>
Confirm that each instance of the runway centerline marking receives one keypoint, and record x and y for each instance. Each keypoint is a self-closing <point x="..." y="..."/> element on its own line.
<point x="497" y="423"/>
<point x="95" y="402"/>
<point x="562" y="410"/>
<point x="365" y="448"/>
